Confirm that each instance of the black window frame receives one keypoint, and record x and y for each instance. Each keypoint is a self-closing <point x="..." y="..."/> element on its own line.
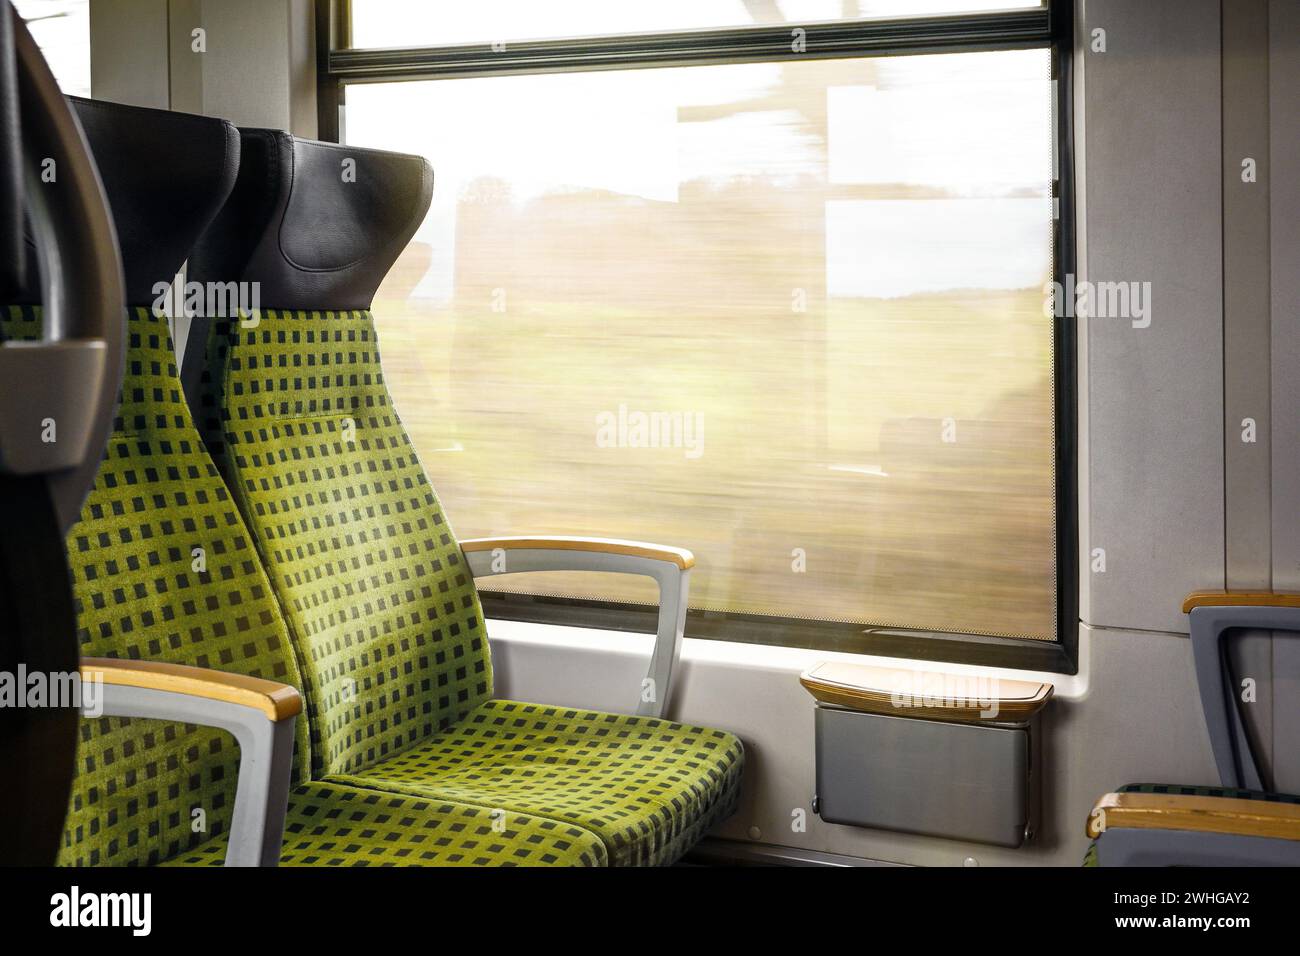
<point x="1050" y="26"/>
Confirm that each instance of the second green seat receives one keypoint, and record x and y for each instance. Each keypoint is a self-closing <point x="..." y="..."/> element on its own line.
<point x="378" y="595"/>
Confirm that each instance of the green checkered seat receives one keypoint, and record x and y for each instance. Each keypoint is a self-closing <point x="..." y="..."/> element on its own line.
<point x="164" y="569"/>
<point x="1232" y="793"/>
<point x="146" y="790"/>
<point x="378" y="595"/>
<point x="150" y="791"/>
<point x="332" y="825"/>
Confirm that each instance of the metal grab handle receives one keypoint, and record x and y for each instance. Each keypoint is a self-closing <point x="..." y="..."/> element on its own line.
<point x="60" y="393"/>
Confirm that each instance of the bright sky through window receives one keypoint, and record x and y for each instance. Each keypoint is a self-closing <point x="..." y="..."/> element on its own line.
<point x="61" y="28"/>
<point x="388" y="23"/>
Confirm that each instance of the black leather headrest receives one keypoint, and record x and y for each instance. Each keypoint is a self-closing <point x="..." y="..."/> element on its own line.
<point x="317" y="225"/>
<point x="166" y="176"/>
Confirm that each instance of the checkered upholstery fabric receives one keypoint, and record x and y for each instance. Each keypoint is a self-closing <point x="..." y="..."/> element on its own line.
<point x="331" y="825"/>
<point x="157" y="498"/>
<point x="649" y="788"/>
<point x="1182" y="790"/>
<point x="383" y="609"/>
<point x="371" y="579"/>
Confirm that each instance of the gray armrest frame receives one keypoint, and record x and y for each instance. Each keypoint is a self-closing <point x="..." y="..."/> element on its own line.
<point x="265" y="761"/>
<point x="674" y="587"/>
<point x="1141" y="847"/>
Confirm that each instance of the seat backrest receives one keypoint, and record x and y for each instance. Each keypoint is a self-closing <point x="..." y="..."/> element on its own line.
<point x="162" y="565"/>
<point x="379" y="599"/>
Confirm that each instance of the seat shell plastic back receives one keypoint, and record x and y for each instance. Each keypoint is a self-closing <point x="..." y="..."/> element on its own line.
<point x="162" y="565"/>
<point x="378" y="596"/>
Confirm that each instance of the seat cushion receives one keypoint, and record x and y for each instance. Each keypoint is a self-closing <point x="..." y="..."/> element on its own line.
<point x="329" y="825"/>
<point x="648" y="788"/>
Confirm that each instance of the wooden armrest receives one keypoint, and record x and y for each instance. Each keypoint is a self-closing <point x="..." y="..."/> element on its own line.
<point x="1240" y="599"/>
<point x="277" y="701"/>
<point x="638" y="549"/>
<point x="907" y="693"/>
<point x="1170" y="811"/>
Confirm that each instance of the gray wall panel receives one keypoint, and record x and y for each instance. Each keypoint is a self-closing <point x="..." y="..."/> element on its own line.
<point x="302" y="68"/>
<point x="128" y="52"/>
<point x="1155" y="395"/>
<point x="1247" y="409"/>
<point x="246" y="71"/>
<point x="186" y="86"/>
<point x="1246" y="266"/>
<point x="1284" y="225"/>
<point x="259" y="65"/>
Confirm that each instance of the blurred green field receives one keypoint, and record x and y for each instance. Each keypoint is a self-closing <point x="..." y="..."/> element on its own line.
<point x="823" y="431"/>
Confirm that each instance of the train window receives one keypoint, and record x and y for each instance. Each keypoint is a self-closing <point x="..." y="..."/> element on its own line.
<point x="797" y="312"/>
<point x="61" y="28"/>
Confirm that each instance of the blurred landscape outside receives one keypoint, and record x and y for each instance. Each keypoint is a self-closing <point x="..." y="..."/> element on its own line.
<point x="835" y="267"/>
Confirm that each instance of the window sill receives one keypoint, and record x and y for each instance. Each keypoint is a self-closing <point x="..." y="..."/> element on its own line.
<point x="634" y="648"/>
<point x="819" y="637"/>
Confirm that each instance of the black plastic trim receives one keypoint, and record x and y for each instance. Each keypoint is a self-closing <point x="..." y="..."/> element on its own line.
<point x="836" y="636"/>
<point x="977" y="31"/>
